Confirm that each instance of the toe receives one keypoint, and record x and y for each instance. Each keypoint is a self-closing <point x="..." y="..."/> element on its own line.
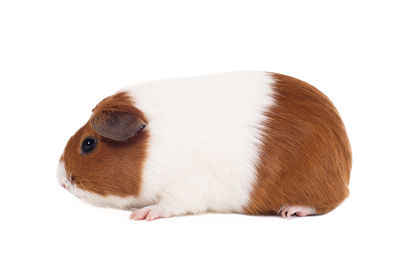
<point x="285" y="212"/>
<point x="290" y="211"/>
<point x="156" y="213"/>
<point x="140" y="214"/>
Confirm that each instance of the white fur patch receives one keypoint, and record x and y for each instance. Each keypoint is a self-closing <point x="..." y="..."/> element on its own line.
<point x="205" y="134"/>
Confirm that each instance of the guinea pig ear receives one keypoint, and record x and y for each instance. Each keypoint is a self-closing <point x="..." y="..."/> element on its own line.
<point x="116" y="125"/>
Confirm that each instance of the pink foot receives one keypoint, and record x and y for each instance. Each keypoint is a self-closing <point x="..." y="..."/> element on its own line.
<point x="148" y="213"/>
<point x="301" y="211"/>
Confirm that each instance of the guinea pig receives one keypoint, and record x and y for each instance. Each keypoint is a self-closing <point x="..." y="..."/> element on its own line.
<point x="254" y="143"/>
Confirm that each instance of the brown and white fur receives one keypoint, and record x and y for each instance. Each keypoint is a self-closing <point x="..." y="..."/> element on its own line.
<point x="244" y="142"/>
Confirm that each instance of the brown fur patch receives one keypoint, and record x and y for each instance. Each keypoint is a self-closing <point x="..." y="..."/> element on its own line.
<point x="306" y="155"/>
<point x="113" y="168"/>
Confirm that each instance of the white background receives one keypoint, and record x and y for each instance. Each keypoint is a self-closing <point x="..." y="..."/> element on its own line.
<point x="59" y="58"/>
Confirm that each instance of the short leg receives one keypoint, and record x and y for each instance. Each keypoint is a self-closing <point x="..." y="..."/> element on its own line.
<point x="288" y="210"/>
<point x="150" y="213"/>
<point x="162" y="209"/>
<point x="172" y="202"/>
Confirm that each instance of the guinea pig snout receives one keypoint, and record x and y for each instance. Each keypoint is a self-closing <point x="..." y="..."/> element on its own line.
<point x="64" y="183"/>
<point x="63" y="179"/>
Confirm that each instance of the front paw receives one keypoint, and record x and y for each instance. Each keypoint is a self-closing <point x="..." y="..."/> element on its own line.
<point x="149" y="213"/>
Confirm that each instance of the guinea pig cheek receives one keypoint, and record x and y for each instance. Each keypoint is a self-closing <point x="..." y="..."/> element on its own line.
<point x="92" y="198"/>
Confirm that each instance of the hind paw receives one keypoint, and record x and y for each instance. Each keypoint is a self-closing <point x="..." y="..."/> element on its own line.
<point x="288" y="210"/>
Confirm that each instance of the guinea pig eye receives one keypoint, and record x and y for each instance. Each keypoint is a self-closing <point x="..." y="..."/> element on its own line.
<point x="88" y="145"/>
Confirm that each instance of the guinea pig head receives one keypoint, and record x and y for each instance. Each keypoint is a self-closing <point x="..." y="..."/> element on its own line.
<point x="105" y="157"/>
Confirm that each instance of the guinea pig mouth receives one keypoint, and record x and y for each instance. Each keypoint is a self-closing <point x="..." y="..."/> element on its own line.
<point x="66" y="184"/>
<point x="63" y="179"/>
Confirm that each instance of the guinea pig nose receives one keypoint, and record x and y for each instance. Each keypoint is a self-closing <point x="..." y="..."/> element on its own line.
<point x="63" y="185"/>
